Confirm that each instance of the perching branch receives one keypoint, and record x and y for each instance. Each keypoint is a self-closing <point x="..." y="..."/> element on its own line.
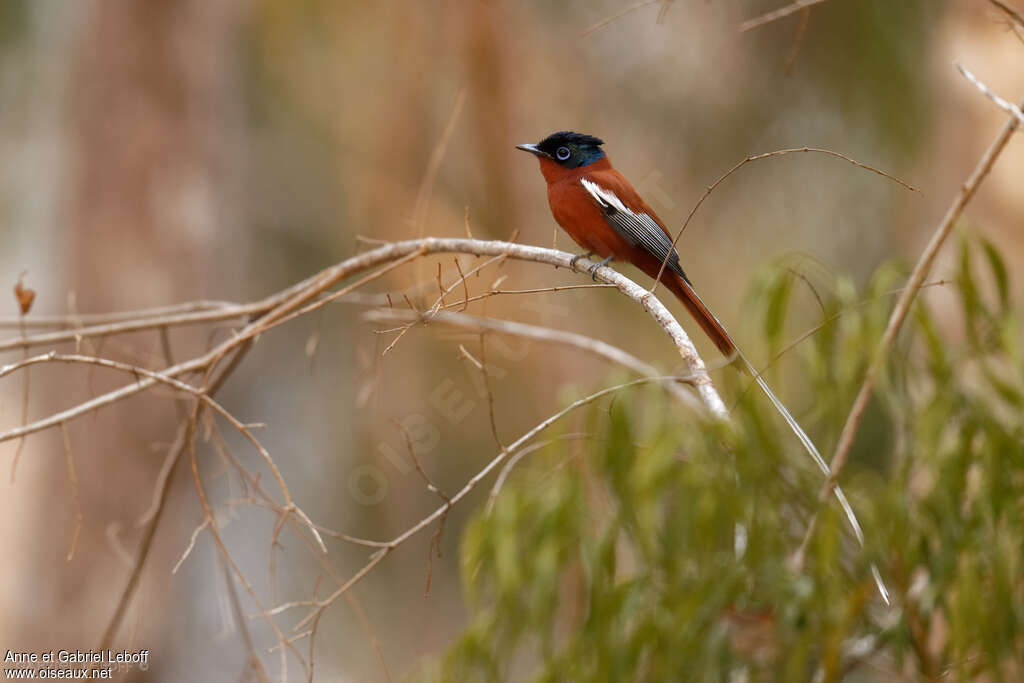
<point x="310" y="294"/>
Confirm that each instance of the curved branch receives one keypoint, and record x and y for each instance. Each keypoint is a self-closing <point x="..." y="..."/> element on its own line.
<point x="305" y="297"/>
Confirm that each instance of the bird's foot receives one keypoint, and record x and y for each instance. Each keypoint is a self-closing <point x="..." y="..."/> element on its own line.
<point x="593" y="269"/>
<point x="577" y="257"/>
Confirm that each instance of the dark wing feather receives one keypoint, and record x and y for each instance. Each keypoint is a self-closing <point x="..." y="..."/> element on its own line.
<point x="638" y="229"/>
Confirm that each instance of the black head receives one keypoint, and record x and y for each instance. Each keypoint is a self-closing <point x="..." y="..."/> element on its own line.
<point x="568" y="149"/>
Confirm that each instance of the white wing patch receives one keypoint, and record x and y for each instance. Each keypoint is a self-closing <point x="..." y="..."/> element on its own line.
<point x="606" y="198"/>
<point x="638" y="229"/>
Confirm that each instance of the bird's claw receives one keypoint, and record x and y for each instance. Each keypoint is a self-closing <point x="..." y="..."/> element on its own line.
<point x="593" y="269"/>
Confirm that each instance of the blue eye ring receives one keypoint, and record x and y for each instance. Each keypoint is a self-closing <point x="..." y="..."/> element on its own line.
<point x="563" y="153"/>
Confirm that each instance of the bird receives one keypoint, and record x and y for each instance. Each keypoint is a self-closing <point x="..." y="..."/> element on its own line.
<point x="604" y="214"/>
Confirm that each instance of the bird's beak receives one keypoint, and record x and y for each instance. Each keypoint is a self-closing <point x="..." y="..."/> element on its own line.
<point x="532" y="149"/>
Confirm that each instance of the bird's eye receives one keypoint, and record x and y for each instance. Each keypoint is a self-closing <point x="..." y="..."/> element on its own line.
<point x="563" y="153"/>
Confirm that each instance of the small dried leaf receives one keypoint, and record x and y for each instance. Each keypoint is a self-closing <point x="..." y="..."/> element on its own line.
<point x="312" y="344"/>
<point x="25" y="296"/>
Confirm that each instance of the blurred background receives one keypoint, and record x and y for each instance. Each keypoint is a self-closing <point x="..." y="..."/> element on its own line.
<point x="161" y="152"/>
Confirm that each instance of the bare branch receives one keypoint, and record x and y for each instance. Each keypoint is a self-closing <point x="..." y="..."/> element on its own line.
<point x="80" y="320"/>
<point x="291" y="302"/>
<point x="144" y="375"/>
<point x="225" y="554"/>
<point x="124" y="327"/>
<point x="153" y="518"/>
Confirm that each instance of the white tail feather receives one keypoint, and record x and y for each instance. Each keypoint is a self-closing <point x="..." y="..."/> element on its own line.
<point x="809" y="446"/>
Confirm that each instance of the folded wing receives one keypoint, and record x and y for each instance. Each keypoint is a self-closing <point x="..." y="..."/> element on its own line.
<point x="637" y="228"/>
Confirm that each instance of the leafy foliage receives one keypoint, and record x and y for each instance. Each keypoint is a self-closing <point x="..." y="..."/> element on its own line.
<point x="659" y="548"/>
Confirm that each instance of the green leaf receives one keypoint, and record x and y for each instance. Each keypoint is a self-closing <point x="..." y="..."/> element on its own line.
<point x="998" y="267"/>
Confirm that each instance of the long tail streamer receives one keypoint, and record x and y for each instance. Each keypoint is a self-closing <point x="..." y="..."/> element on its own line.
<point x="697" y="307"/>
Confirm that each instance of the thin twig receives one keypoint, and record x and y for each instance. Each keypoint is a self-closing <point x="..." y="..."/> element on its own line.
<point x="465" y="285"/>
<point x="434" y="165"/>
<point x="191" y="544"/>
<point x="312" y="640"/>
<point x="440" y="287"/>
<point x="469" y="233"/>
<point x="663" y="11"/>
<point x="395" y="542"/>
<point x="426" y="188"/>
<point x="798" y="39"/>
<point x="607" y="21"/>
<point x="1009" y="107"/>
<point x="364" y="622"/>
<point x="75" y="494"/>
<point x="113" y="535"/>
<point x="253" y="659"/>
<point x="499" y="482"/>
<point x="85" y="319"/>
<point x="24" y="402"/>
<point x="490" y="394"/>
<point x="464" y="352"/>
<point x="544" y="334"/>
<point x="1014" y="15"/>
<point x="180" y="386"/>
<point x="219" y="542"/>
<point x="435" y="540"/>
<point x="811" y="331"/>
<point x="775" y="15"/>
<point x="439" y="301"/>
<point x="153" y="521"/>
<point x="329" y="569"/>
<point x="428" y="316"/>
<point x="133" y="325"/>
<point x="142" y="554"/>
<point x="759" y="157"/>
